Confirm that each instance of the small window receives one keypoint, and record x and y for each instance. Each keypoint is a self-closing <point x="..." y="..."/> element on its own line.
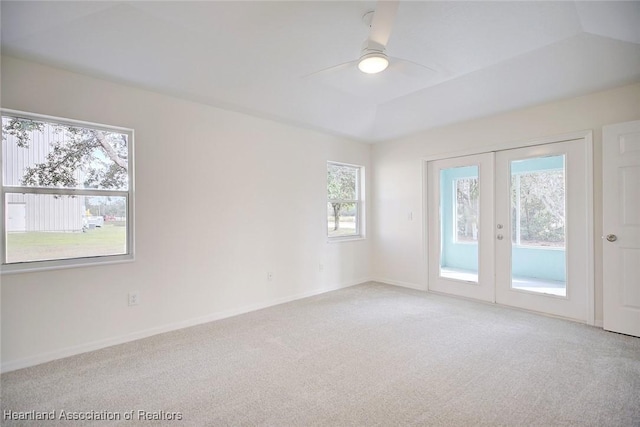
<point x="344" y="200"/>
<point x="67" y="192"/>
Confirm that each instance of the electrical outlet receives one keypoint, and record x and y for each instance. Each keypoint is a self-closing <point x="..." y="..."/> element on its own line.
<point x="320" y="267"/>
<point x="270" y="276"/>
<point x="134" y="298"/>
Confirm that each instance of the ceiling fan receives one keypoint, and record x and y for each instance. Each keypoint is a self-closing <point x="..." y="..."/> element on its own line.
<point x="374" y="58"/>
<point x="400" y="76"/>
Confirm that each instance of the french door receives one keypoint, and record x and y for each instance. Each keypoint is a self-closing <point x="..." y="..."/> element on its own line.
<point x="460" y="216"/>
<point x="512" y="227"/>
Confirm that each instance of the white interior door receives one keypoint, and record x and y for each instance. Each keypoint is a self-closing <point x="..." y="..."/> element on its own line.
<point x="621" y="227"/>
<point x="460" y="206"/>
<point x="543" y="235"/>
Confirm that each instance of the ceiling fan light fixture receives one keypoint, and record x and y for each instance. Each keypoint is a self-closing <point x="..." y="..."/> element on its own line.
<point x="372" y="63"/>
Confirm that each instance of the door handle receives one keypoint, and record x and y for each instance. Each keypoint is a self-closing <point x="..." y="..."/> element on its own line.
<point x="612" y="237"/>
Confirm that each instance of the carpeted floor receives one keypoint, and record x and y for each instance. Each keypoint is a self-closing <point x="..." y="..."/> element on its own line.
<point x="367" y="355"/>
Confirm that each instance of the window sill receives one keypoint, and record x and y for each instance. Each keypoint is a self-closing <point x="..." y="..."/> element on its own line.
<point x="33" y="267"/>
<point x="345" y="239"/>
<point x="542" y="248"/>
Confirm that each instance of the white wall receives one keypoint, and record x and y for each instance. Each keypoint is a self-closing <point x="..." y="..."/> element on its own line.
<point x="221" y="198"/>
<point x="398" y="254"/>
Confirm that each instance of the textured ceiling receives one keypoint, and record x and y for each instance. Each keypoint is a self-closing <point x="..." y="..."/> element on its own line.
<point x="460" y="60"/>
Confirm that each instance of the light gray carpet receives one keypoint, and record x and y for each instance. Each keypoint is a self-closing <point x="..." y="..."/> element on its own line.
<point x="368" y="355"/>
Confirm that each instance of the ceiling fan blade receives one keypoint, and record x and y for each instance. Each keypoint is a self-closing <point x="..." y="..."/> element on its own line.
<point x="335" y="68"/>
<point x="382" y="23"/>
<point x="401" y="78"/>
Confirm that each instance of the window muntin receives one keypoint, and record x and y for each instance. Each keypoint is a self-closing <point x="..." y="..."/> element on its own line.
<point x="67" y="192"/>
<point x="344" y="200"/>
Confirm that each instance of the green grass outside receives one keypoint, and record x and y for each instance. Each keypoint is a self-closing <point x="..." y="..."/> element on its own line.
<point x="110" y="239"/>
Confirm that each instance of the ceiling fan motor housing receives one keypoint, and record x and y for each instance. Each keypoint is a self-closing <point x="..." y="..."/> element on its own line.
<point x="369" y="46"/>
<point x="372" y="58"/>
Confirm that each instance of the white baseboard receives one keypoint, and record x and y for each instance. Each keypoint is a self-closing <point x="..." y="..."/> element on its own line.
<point x="108" y="342"/>
<point x="598" y="323"/>
<point x="401" y="284"/>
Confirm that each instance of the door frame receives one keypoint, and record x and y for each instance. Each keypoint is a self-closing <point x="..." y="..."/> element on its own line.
<point x="587" y="136"/>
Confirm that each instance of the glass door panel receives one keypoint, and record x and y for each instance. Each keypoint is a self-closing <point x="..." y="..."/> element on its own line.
<point x="459" y="221"/>
<point x="538" y="232"/>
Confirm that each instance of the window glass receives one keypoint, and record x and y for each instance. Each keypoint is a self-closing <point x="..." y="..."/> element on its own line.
<point x="54" y="155"/>
<point x="467" y="202"/>
<point x="46" y="227"/>
<point x="343" y="200"/>
<point x="538" y="202"/>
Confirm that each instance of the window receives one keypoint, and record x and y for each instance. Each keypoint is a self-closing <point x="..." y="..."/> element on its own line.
<point x="67" y="192"/>
<point x="344" y="200"/>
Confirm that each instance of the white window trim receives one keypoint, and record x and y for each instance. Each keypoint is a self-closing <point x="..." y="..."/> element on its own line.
<point x="359" y="202"/>
<point x="32" y="266"/>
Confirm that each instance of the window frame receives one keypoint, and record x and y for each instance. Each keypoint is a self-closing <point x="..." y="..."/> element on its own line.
<point x="358" y="201"/>
<point x="29" y="266"/>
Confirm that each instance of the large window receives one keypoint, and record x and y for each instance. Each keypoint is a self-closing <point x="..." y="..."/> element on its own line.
<point x="344" y="200"/>
<point x="67" y="192"/>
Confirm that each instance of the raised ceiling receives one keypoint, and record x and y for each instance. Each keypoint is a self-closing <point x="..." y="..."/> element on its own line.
<point x="260" y="57"/>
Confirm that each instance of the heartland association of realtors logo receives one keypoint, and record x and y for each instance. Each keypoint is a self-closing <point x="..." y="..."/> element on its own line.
<point x="63" y="415"/>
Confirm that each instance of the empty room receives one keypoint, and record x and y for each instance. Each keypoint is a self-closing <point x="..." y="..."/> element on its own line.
<point x="320" y="213"/>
